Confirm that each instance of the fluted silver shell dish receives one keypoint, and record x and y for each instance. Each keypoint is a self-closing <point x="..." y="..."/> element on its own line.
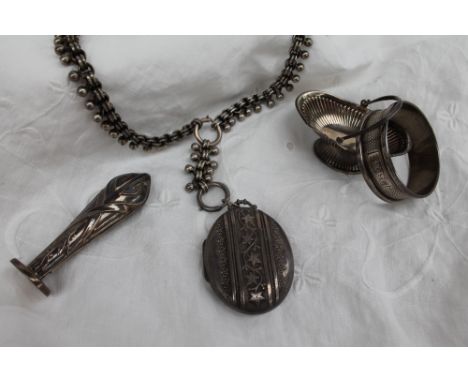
<point x="332" y="118"/>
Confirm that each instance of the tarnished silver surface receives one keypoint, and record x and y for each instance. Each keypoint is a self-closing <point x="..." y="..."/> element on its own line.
<point x="97" y="100"/>
<point x="332" y="119"/>
<point x="123" y="195"/>
<point x="204" y="167"/>
<point x="248" y="260"/>
<point x="355" y="139"/>
<point x="375" y="157"/>
<point x="69" y="49"/>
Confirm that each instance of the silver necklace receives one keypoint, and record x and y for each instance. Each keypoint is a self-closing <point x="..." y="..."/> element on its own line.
<point x="247" y="257"/>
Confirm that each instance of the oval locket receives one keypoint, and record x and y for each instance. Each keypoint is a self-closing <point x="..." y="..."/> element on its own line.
<point x="248" y="260"/>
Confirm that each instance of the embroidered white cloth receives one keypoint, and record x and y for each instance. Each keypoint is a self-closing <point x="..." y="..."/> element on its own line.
<point x="367" y="273"/>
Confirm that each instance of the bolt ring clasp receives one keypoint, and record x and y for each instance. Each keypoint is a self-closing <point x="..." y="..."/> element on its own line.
<point x="199" y="122"/>
<point x="224" y="202"/>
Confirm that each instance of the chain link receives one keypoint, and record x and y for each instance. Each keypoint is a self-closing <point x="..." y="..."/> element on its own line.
<point x="97" y="100"/>
<point x="203" y="169"/>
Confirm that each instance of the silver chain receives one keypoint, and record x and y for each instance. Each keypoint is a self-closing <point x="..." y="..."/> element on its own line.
<point x="97" y="100"/>
<point x="204" y="167"/>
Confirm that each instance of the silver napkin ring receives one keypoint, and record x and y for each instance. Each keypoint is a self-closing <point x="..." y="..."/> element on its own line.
<point x="123" y="195"/>
<point x="355" y="139"/>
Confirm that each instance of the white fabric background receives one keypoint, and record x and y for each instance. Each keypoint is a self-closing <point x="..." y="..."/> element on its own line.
<point x="367" y="273"/>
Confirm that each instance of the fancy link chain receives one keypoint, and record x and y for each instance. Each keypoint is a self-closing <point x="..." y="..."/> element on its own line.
<point x="97" y="100"/>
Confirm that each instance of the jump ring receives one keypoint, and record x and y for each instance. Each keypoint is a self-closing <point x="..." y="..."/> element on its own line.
<point x="224" y="201"/>
<point x="200" y="123"/>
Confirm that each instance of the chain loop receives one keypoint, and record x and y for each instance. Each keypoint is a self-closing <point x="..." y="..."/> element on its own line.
<point x="198" y="125"/>
<point x="224" y="202"/>
<point x="70" y="52"/>
<point x="204" y="167"/>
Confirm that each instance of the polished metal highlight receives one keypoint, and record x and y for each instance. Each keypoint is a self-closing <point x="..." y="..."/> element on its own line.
<point x="122" y="196"/>
<point x="355" y="139"/>
<point x="247" y="259"/>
